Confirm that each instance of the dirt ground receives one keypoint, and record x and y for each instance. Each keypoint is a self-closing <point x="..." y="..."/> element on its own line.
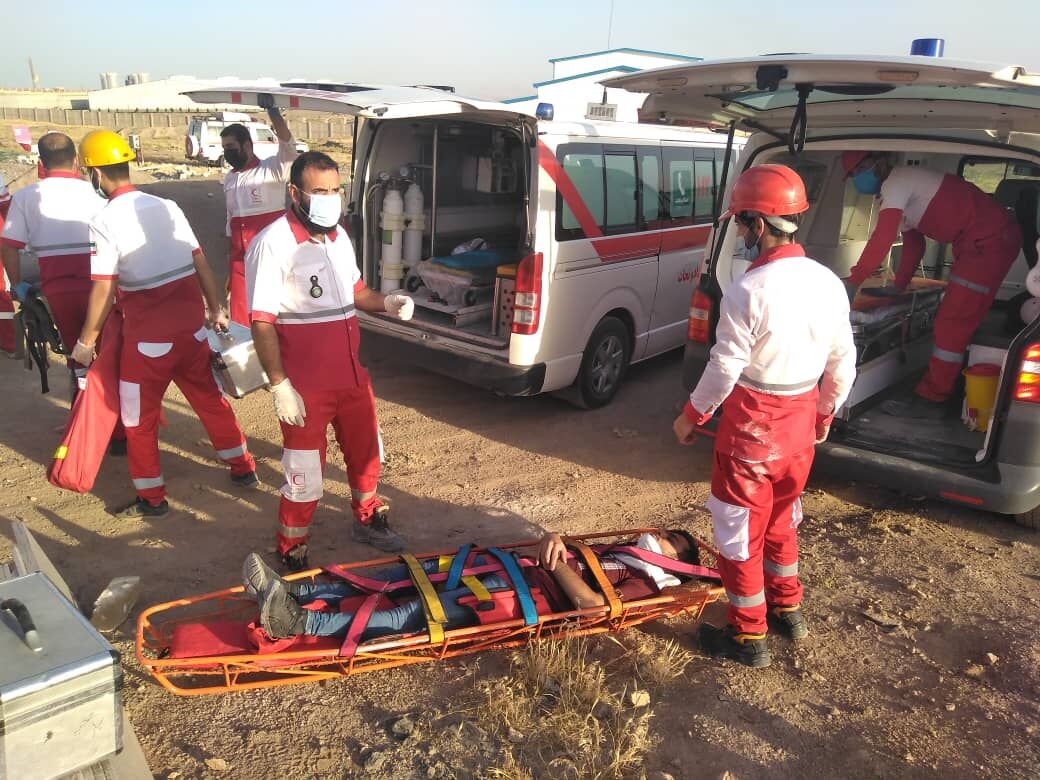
<point x="922" y="660"/>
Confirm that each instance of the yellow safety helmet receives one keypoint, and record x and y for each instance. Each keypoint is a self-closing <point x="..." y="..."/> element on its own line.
<point x="104" y="147"/>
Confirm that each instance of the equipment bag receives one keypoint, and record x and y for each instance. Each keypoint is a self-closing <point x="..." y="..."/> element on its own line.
<point x="36" y="323"/>
<point x="94" y="416"/>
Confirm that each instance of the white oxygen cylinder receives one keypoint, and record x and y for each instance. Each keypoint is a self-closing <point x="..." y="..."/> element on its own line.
<point x="393" y="228"/>
<point x="414" y="224"/>
<point x="1033" y="279"/>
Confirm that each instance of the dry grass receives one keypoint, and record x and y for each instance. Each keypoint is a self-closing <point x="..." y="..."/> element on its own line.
<point x="561" y="715"/>
<point x="658" y="661"/>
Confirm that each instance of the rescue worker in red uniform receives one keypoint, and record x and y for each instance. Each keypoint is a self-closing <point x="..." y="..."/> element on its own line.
<point x="6" y="301"/>
<point x="779" y="370"/>
<point x="254" y="192"/>
<point x="146" y="257"/>
<point x="304" y="286"/>
<point x="985" y="240"/>
<point x="52" y="216"/>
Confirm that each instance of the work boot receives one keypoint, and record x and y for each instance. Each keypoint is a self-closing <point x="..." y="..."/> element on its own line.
<point x="378" y="534"/>
<point x="280" y="615"/>
<point x="257" y="575"/>
<point x="748" y="649"/>
<point x="296" y="558"/>
<point x="789" y="621"/>
<point x="141" y="508"/>
<point x="247" y="480"/>
<point x="917" y="408"/>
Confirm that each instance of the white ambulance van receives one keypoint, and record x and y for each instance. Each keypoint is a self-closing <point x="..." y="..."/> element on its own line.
<point x="543" y="256"/>
<point x="976" y="121"/>
<point x="202" y="140"/>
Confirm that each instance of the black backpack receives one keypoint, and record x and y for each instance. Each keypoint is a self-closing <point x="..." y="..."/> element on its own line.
<point x="36" y="326"/>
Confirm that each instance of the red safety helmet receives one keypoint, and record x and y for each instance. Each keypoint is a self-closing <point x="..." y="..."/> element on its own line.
<point x="769" y="190"/>
<point x="849" y="161"/>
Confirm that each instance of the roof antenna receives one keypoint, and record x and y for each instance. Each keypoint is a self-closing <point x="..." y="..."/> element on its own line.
<point x="610" y="23"/>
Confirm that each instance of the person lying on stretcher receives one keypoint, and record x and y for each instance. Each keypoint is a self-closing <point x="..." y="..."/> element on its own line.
<point x="564" y="582"/>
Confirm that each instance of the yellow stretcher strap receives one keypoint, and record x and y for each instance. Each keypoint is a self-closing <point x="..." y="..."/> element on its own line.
<point x="592" y="563"/>
<point x="475" y="586"/>
<point x="435" y="617"/>
<point x="61" y="452"/>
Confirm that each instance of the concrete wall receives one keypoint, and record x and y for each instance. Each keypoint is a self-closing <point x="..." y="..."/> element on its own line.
<point x="304" y="127"/>
<point x="31" y="98"/>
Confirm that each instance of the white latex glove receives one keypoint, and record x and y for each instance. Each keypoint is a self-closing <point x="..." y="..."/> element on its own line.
<point x="288" y="404"/>
<point x="217" y="320"/>
<point x="400" y="306"/>
<point x="83" y="354"/>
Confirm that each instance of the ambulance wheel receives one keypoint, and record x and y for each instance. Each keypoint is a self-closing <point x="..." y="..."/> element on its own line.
<point x="604" y="363"/>
<point x="1030" y="519"/>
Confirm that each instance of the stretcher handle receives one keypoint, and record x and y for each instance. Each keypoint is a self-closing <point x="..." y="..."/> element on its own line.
<point x="592" y="563"/>
<point x="25" y="622"/>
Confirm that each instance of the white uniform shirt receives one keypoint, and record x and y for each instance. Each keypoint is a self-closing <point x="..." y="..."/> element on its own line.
<point x="51" y="217"/>
<point x="781" y="327"/>
<point x="146" y="245"/>
<point x="259" y="189"/>
<point x="305" y="287"/>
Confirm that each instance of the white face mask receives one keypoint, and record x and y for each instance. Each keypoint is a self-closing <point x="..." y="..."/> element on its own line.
<point x="324" y="210"/>
<point x="660" y="577"/>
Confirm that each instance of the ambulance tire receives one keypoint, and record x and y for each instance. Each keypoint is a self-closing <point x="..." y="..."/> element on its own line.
<point x="604" y="363"/>
<point x="1030" y="519"/>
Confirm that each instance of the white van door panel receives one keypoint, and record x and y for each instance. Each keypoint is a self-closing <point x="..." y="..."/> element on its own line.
<point x="848" y="91"/>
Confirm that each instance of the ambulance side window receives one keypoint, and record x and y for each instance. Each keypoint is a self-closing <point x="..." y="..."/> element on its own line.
<point x="621" y="190"/>
<point x="583" y="165"/>
<point x="680" y="184"/>
<point x="705" y="182"/>
<point x="650" y="187"/>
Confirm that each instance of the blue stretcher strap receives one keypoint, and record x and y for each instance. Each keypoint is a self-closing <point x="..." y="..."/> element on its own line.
<point x="523" y="592"/>
<point x="457" y="565"/>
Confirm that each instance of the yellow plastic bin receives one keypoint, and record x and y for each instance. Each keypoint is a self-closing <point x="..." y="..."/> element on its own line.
<point x="980" y="391"/>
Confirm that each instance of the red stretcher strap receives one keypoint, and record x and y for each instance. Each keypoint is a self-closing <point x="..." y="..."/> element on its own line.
<point x="358" y="626"/>
<point x="670" y="565"/>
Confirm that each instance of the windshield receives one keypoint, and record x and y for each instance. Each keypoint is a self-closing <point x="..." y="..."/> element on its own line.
<point x="264" y="135"/>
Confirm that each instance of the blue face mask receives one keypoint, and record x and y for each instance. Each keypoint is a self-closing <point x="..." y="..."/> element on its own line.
<point x="867" y="182"/>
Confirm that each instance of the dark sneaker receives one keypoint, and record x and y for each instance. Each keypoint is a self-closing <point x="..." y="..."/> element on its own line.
<point x="748" y="649"/>
<point x="916" y="408"/>
<point x="141" y="508"/>
<point x="280" y="615"/>
<point x="247" y="480"/>
<point x="296" y="558"/>
<point x="257" y="575"/>
<point x="788" y="621"/>
<point x="378" y="533"/>
<point x="117" y="448"/>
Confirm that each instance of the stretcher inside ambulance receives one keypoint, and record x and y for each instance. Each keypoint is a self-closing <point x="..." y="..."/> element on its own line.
<point x="976" y="122"/>
<point x="542" y="256"/>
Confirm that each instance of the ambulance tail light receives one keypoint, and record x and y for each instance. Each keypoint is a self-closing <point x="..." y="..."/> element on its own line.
<point x="699" y="324"/>
<point x="527" y="304"/>
<point x="1027" y="383"/>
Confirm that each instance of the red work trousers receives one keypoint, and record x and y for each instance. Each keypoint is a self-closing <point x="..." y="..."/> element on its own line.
<point x="352" y="413"/>
<point x="70" y="311"/>
<point x="146" y="370"/>
<point x="979" y="266"/>
<point x="755" y="510"/>
<point x="237" y="304"/>
<point x="6" y="316"/>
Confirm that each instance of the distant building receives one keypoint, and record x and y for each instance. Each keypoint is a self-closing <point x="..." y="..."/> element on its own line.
<point x="575" y="90"/>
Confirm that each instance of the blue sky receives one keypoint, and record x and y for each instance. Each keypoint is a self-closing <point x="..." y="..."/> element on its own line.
<point x="485" y="48"/>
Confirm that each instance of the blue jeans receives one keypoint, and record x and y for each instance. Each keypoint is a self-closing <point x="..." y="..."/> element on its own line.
<point x="405" y="618"/>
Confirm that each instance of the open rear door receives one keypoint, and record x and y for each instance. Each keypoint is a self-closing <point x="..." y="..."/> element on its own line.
<point x="369" y="102"/>
<point x="841" y="91"/>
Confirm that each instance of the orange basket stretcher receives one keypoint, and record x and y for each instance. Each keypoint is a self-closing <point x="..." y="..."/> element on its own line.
<point x="222" y="625"/>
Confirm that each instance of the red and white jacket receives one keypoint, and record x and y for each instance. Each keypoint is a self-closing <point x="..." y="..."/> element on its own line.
<point x="255" y="197"/>
<point x="783" y="327"/>
<point x="921" y="202"/>
<point x="146" y="245"/>
<point x="306" y="286"/>
<point x="52" y="216"/>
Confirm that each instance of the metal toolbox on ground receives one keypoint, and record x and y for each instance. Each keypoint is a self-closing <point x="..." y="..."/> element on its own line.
<point x="61" y="684"/>
<point x="235" y="362"/>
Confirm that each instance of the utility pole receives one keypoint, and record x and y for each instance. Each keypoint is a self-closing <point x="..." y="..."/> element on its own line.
<point x="34" y="80"/>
